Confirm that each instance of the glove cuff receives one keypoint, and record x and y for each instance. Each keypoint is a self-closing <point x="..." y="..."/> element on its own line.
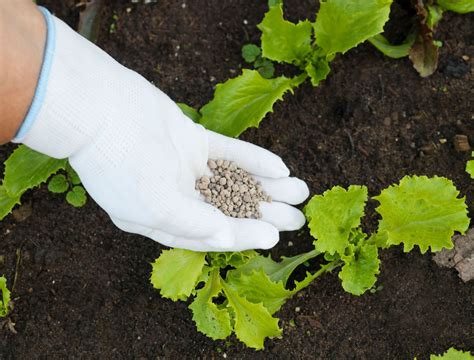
<point x="77" y="93"/>
<point x="42" y="84"/>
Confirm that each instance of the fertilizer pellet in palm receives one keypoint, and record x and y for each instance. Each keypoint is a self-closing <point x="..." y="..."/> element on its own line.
<point x="232" y="190"/>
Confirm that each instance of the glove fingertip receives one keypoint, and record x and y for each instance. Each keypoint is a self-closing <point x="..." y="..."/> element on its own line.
<point x="304" y="191"/>
<point x="270" y="241"/>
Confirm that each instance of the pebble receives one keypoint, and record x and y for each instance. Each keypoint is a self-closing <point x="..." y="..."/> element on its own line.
<point x="23" y="212"/>
<point x="232" y="190"/>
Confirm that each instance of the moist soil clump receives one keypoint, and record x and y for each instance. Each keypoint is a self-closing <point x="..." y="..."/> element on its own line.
<point x="82" y="288"/>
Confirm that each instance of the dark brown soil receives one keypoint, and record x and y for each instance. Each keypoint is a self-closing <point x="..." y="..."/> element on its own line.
<point x="82" y="289"/>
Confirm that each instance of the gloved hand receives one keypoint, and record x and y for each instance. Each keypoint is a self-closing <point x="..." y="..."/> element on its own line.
<point x="139" y="156"/>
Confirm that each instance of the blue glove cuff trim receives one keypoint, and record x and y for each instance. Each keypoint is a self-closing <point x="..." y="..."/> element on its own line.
<point x="42" y="85"/>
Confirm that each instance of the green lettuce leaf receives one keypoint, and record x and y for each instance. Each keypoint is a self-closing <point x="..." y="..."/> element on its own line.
<point x="393" y="51"/>
<point x="26" y="169"/>
<point x="250" y="52"/>
<point x="453" y="354"/>
<point x="190" y="112"/>
<point x="435" y="14"/>
<point x="459" y="6"/>
<point x="176" y="272"/>
<point x="343" y="24"/>
<point x="58" y="184"/>
<point x="265" y="68"/>
<point x="243" y="102"/>
<point x="258" y="288"/>
<point x="5" y="301"/>
<point x="333" y="215"/>
<point x="470" y="167"/>
<point x="277" y="271"/>
<point x="7" y="202"/>
<point x="209" y="319"/>
<point x="317" y="70"/>
<point x="422" y="211"/>
<point x="359" y="271"/>
<point x="235" y="259"/>
<point x="282" y="40"/>
<point x="253" y="323"/>
<point x="77" y="196"/>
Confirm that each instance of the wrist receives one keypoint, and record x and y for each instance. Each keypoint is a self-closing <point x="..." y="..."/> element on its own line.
<point x="23" y="33"/>
<point x="86" y="102"/>
<point x="60" y="119"/>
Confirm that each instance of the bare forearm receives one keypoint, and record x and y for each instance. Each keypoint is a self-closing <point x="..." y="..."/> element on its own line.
<point x="22" y="40"/>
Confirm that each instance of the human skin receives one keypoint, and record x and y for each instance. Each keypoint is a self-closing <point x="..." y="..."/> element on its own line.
<point x="22" y="42"/>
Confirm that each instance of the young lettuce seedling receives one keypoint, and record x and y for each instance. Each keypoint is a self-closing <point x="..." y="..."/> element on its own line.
<point x="240" y="292"/>
<point x="70" y="183"/>
<point x="25" y="169"/>
<point x="420" y="45"/>
<point x="419" y="211"/>
<point x="340" y="26"/>
<point x="252" y="54"/>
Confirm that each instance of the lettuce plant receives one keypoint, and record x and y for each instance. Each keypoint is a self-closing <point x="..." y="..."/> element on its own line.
<point x="26" y="169"/>
<point x="241" y="292"/>
<point x="69" y="183"/>
<point x="420" y="45"/>
<point x="340" y="25"/>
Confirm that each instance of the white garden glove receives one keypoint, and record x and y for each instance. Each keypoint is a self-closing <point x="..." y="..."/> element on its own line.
<point x="139" y="156"/>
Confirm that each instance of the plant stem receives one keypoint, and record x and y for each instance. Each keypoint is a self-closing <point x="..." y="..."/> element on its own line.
<point x="300" y="79"/>
<point x="311" y="277"/>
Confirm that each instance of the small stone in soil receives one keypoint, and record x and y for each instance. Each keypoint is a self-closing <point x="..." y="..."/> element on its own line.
<point x="461" y="143"/>
<point x="232" y="190"/>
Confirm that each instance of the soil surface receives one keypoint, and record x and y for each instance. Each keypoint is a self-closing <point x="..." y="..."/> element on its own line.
<point x="82" y="288"/>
